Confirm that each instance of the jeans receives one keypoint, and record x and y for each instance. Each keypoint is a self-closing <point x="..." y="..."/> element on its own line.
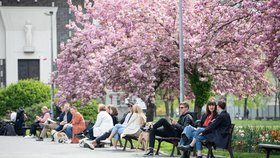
<point x="187" y="135"/>
<point x="118" y="130"/>
<point x="199" y="138"/>
<point x="68" y="131"/>
<point x="166" y="130"/>
<point x="90" y="133"/>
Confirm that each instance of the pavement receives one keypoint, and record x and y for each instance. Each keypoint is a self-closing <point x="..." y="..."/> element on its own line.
<point x="15" y="146"/>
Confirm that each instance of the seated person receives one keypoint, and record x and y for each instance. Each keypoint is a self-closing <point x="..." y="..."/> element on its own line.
<point x="113" y="111"/>
<point x="64" y="118"/>
<point x="216" y="132"/>
<point x="190" y="131"/>
<point x="164" y="129"/>
<point x="39" y="122"/>
<point x="135" y="120"/>
<point x="103" y="124"/>
<point x="77" y="126"/>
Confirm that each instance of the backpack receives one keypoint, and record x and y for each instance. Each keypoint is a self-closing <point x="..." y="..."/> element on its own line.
<point x="19" y="122"/>
<point x="10" y="130"/>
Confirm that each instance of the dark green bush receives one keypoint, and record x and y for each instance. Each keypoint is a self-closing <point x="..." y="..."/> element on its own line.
<point x="23" y="94"/>
<point x="35" y="110"/>
<point x="89" y="111"/>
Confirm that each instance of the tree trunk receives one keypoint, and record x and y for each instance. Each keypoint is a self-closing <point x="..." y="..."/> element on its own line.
<point x="171" y="108"/>
<point x="257" y="117"/>
<point x="150" y="110"/>
<point x="275" y="106"/>
<point x="166" y="107"/>
<point x="197" y="110"/>
<point x="245" y="108"/>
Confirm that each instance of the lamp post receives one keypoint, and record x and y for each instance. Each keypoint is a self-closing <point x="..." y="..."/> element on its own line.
<point x="182" y="89"/>
<point x="52" y="85"/>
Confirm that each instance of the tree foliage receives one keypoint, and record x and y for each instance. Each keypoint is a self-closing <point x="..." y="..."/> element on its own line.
<point x="133" y="45"/>
<point x="23" y="94"/>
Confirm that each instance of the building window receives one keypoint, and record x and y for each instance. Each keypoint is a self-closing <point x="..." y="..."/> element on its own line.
<point x="28" y="69"/>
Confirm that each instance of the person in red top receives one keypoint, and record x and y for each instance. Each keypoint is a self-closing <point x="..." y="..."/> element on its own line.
<point x="189" y="131"/>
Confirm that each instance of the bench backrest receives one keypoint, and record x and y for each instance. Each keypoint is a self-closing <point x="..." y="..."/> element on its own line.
<point x="230" y="135"/>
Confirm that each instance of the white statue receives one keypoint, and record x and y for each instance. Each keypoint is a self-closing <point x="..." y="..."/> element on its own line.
<point x="28" y="33"/>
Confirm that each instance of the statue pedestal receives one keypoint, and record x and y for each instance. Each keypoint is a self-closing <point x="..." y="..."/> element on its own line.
<point x="28" y="49"/>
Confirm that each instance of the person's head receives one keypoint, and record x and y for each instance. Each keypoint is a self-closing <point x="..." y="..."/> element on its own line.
<point x="129" y="106"/>
<point x="102" y="107"/>
<point x="184" y="107"/>
<point x="113" y="111"/>
<point x="66" y="107"/>
<point x="138" y="110"/>
<point x="44" y="109"/>
<point x="221" y="105"/>
<point x="211" y="107"/>
<point x="73" y="109"/>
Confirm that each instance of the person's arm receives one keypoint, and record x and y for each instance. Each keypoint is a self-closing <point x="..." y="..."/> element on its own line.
<point x="213" y="125"/>
<point x="187" y="120"/>
<point x="44" y="118"/>
<point x="98" y="120"/>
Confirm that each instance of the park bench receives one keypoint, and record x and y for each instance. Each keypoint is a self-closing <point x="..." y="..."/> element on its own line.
<point x="173" y="140"/>
<point x="269" y="147"/>
<point x="129" y="138"/>
<point x="25" y="128"/>
<point x="210" y="145"/>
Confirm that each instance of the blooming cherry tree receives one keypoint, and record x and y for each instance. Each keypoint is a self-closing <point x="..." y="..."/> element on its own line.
<point x="133" y="45"/>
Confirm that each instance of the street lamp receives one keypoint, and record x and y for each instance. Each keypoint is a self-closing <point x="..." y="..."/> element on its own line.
<point x="182" y="89"/>
<point x="52" y="85"/>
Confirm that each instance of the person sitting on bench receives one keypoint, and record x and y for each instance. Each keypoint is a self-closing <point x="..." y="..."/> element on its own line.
<point x="39" y="122"/>
<point x="206" y="119"/>
<point x="216" y="132"/>
<point x="173" y="129"/>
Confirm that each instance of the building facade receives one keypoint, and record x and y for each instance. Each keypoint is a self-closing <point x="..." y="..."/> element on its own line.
<point x="30" y="31"/>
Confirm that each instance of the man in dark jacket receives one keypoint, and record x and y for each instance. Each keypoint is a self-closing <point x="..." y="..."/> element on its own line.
<point x="163" y="128"/>
<point x="217" y="132"/>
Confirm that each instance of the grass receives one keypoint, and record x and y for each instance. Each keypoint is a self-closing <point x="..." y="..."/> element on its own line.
<point x="256" y="122"/>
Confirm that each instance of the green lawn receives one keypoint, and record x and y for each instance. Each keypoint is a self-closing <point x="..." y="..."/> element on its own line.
<point x="256" y="122"/>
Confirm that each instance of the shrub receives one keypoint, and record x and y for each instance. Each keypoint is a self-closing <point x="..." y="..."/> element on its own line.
<point x="89" y="111"/>
<point x="25" y="93"/>
<point x="35" y="110"/>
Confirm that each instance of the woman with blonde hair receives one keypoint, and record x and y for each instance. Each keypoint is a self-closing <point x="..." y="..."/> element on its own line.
<point x="103" y="124"/>
<point x="135" y="120"/>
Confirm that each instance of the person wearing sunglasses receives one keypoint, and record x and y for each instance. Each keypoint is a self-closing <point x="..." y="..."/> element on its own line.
<point x="216" y="132"/>
<point x="190" y="131"/>
<point x="163" y="128"/>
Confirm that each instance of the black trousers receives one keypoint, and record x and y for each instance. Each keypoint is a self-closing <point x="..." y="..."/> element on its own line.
<point x="103" y="136"/>
<point x="163" y="129"/>
<point x="33" y="128"/>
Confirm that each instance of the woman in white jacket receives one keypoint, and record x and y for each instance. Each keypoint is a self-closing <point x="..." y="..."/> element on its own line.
<point x="135" y="120"/>
<point x="104" y="122"/>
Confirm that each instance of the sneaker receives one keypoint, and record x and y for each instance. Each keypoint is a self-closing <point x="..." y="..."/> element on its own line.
<point x="89" y="145"/>
<point x="40" y="139"/>
<point x="106" y="141"/>
<point x="30" y="136"/>
<point x="150" y="152"/>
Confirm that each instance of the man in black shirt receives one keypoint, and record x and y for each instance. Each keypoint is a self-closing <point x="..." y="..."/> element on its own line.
<point x="163" y="128"/>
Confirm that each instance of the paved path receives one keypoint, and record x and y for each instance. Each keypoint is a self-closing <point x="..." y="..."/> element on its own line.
<point x="13" y="147"/>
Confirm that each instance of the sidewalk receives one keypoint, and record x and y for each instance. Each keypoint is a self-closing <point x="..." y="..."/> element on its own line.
<point x="13" y="147"/>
